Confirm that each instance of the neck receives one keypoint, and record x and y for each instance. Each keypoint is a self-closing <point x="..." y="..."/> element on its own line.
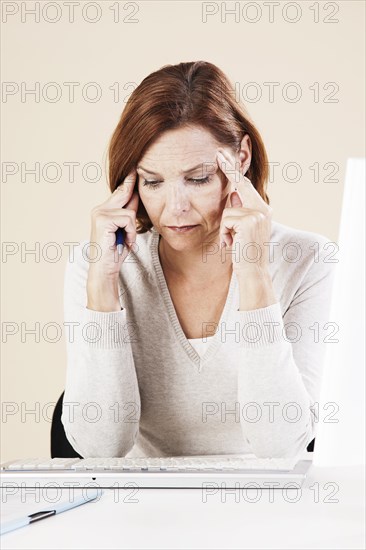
<point x="198" y="266"/>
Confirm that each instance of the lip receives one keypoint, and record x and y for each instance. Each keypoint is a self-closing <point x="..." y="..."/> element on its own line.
<point x="182" y="228"/>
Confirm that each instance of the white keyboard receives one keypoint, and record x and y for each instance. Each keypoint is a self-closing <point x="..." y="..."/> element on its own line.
<point x="206" y="463"/>
<point x="221" y="471"/>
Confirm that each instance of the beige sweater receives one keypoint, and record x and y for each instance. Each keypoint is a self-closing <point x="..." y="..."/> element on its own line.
<point x="136" y="386"/>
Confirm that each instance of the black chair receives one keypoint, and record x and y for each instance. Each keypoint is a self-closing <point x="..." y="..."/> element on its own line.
<point x="61" y="447"/>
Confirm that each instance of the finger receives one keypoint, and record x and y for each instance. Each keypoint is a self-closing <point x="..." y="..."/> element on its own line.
<point x="124" y="219"/>
<point x="133" y="203"/>
<point x="122" y="194"/>
<point x="241" y="184"/>
<point x="225" y="237"/>
<point x="229" y="226"/>
<point x="235" y="200"/>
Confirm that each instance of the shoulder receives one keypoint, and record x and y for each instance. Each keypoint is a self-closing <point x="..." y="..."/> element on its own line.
<point x="301" y="248"/>
<point x="77" y="263"/>
<point x="300" y="258"/>
<point x="298" y="238"/>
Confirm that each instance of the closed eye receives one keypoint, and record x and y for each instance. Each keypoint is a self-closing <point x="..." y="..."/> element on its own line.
<point x="196" y="181"/>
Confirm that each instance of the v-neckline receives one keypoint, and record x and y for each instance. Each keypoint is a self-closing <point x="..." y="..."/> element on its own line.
<point x="189" y="349"/>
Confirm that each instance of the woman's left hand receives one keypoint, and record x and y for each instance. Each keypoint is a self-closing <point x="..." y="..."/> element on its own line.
<point x="246" y="224"/>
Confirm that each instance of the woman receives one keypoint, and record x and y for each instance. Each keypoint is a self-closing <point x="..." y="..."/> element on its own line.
<point x="180" y="345"/>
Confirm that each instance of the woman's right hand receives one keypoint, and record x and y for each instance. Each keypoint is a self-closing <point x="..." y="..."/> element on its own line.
<point x="119" y="210"/>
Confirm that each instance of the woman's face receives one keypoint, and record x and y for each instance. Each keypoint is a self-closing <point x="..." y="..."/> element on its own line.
<point x="180" y="183"/>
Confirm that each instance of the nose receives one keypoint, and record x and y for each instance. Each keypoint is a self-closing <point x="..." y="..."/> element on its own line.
<point x="177" y="200"/>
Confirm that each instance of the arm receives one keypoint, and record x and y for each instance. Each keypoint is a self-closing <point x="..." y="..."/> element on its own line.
<point x="282" y="379"/>
<point x="101" y="407"/>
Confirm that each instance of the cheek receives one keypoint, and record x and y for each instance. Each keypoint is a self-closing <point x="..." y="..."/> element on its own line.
<point x="211" y="203"/>
<point x="216" y="195"/>
<point x="151" y="201"/>
<point x="145" y="194"/>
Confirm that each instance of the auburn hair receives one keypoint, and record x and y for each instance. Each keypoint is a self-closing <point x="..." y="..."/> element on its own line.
<point x="195" y="93"/>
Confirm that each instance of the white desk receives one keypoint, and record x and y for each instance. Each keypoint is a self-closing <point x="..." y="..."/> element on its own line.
<point x="172" y="519"/>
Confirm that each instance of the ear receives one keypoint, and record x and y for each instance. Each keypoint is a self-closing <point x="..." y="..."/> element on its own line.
<point x="245" y="154"/>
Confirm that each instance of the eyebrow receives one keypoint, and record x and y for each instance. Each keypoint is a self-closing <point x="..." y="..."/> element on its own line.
<point x="183" y="172"/>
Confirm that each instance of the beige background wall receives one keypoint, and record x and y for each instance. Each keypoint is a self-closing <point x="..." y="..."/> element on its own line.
<point x="322" y="56"/>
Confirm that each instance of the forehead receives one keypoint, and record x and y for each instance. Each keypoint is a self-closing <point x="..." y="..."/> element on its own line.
<point x="181" y="149"/>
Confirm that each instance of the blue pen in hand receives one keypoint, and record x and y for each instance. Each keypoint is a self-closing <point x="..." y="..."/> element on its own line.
<point x="120" y="239"/>
<point x="120" y="236"/>
<point x="121" y="232"/>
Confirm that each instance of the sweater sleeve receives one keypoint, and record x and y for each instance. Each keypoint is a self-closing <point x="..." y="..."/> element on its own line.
<point x="101" y="406"/>
<point x="282" y="357"/>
